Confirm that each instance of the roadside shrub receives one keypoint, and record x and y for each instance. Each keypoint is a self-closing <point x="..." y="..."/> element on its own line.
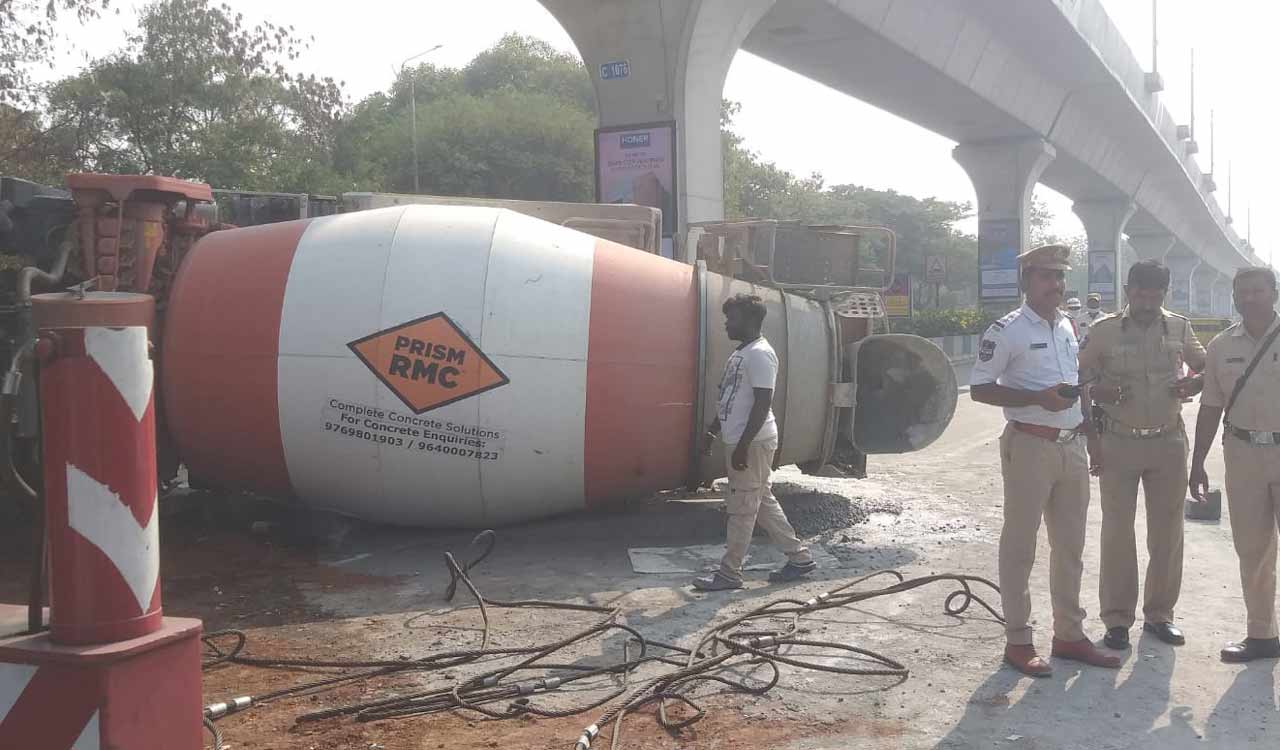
<point x="935" y="323"/>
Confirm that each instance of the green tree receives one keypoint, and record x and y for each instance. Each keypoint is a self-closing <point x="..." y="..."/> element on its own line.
<point x="31" y="149"/>
<point x="508" y="144"/>
<point x="195" y="93"/>
<point x="1040" y="219"/>
<point x="373" y="144"/>
<point x="523" y="63"/>
<point x="516" y="122"/>
<point x="27" y="38"/>
<point x="30" y="145"/>
<point x="755" y="187"/>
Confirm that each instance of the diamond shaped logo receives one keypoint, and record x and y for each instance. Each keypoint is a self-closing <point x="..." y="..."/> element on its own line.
<point x="428" y="362"/>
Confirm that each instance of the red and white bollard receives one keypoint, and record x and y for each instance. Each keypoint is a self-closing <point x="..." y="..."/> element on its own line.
<point x="112" y="672"/>
<point x="96" y="386"/>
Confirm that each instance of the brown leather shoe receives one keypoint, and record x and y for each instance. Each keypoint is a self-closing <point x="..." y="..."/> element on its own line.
<point x="1025" y="660"/>
<point x="1083" y="650"/>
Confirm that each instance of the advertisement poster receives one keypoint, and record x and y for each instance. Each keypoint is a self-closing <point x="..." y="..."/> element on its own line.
<point x="998" y="243"/>
<point x="1102" y="275"/>
<point x="897" y="301"/>
<point x="637" y="164"/>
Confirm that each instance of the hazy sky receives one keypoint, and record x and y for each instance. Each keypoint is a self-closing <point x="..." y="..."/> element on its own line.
<point x="793" y="121"/>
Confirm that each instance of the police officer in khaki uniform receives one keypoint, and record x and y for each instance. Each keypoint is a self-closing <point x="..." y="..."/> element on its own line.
<point x="1136" y="356"/>
<point x="1091" y="313"/>
<point x="1242" y="391"/>
<point x="1024" y="361"/>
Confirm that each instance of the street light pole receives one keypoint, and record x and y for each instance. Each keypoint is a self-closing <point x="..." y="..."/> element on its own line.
<point x="413" y="116"/>
<point x="413" y="111"/>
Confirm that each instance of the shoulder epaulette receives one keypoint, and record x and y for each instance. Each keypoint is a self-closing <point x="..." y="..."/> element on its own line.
<point x="1007" y="319"/>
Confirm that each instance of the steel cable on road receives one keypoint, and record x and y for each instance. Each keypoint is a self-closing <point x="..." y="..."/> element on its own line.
<point x="233" y="654"/>
<point x="765" y="647"/>
<point x="725" y="646"/>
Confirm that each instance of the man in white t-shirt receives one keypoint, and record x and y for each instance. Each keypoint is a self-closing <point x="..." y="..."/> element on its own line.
<point x="744" y="421"/>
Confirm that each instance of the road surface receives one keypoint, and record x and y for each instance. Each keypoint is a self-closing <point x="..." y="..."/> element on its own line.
<point x="1163" y="697"/>
<point x="368" y="592"/>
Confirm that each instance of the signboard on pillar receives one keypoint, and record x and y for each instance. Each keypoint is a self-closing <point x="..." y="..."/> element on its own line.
<point x="614" y="70"/>
<point x="999" y="241"/>
<point x="1102" y="276"/>
<point x="637" y="164"/>
<point x="897" y="300"/>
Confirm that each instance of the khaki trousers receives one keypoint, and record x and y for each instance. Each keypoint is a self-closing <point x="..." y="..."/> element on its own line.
<point x="1253" y="499"/>
<point x="750" y="500"/>
<point x="1043" y="479"/>
<point x="1160" y="463"/>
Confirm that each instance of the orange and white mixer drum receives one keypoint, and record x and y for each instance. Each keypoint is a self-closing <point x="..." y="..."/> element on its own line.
<point x="461" y="366"/>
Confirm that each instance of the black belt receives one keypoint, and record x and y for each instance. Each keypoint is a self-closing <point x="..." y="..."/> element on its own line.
<point x="1255" y="437"/>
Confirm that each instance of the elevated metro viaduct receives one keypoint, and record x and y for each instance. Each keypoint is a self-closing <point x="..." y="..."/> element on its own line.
<point x="1035" y="91"/>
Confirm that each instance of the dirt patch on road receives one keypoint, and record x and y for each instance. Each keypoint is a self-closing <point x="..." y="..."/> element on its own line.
<point x="725" y="727"/>
<point x="817" y="511"/>
<point x="234" y="579"/>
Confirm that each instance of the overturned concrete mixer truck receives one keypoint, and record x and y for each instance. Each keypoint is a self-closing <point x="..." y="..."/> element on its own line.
<point x="451" y="365"/>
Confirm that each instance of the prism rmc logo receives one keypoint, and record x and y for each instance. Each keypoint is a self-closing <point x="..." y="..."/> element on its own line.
<point x="428" y="362"/>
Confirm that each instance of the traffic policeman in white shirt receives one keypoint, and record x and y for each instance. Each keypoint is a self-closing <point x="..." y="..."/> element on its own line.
<point x="1027" y="365"/>
<point x="1073" y="308"/>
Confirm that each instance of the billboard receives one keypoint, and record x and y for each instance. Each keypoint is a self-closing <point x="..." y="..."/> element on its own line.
<point x="998" y="243"/>
<point x="637" y="164"/>
<point x="1102" y="275"/>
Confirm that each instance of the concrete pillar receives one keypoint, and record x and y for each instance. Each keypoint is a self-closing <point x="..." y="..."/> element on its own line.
<point x="1128" y="256"/>
<point x="1181" y="262"/>
<point x="1103" y="224"/>
<point x="1004" y="174"/>
<point x="1152" y="246"/>
<point x="1202" y="280"/>
<point x="677" y="54"/>
<point x="1222" y="296"/>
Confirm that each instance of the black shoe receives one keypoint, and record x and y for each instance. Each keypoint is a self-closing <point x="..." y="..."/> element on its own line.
<point x="792" y="572"/>
<point x="1252" y="648"/>
<point x="1117" y="638"/>
<point x="1165" y="631"/>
